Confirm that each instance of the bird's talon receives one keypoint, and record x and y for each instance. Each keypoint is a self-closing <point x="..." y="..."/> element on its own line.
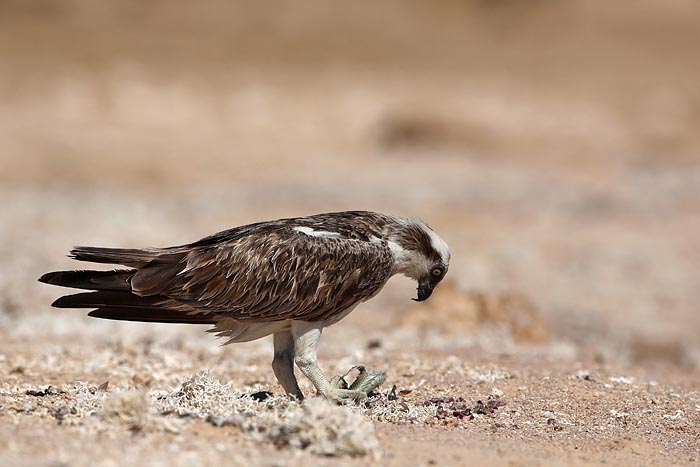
<point x="368" y="382"/>
<point x="360" y="388"/>
<point x="344" y="396"/>
<point x="339" y="382"/>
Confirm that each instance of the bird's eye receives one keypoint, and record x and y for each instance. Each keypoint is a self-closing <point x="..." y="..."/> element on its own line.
<point x="437" y="272"/>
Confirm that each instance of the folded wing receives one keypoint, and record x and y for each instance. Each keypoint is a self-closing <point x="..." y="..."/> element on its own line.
<point x="262" y="276"/>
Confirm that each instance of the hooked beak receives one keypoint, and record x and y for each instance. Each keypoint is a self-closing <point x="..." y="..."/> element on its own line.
<point x="425" y="288"/>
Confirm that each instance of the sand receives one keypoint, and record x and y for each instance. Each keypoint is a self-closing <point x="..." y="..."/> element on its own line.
<point x="554" y="146"/>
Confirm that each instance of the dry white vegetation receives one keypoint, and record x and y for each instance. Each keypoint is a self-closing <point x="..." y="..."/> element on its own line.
<point x="314" y="425"/>
<point x="317" y="425"/>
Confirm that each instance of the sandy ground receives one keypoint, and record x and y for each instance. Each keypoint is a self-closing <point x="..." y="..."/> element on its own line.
<point x="555" y="147"/>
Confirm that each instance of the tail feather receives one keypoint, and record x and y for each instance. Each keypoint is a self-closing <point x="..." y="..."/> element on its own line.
<point x="109" y="299"/>
<point x="150" y="315"/>
<point x="131" y="257"/>
<point x="118" y="279"/>
<point x="112" y="295"/>
<point x="126" y="306"/>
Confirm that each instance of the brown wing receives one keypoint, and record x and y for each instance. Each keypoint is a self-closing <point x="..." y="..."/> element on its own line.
<point x="274" y="275"/>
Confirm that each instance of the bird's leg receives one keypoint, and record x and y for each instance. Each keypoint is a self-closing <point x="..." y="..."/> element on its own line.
<point x="306" y="337"/>
<point x="283" y="363"/>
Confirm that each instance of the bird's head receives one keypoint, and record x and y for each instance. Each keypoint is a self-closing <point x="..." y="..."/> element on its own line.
<point x="420" y="254"/>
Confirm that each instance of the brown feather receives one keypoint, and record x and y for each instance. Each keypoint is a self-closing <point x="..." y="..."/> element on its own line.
<point x="109" y="298"/>
<point x="91" y="280"/>
<point x="131" y="257"/>
<point x="270" y="271"/>
<point x="150" y="316"/>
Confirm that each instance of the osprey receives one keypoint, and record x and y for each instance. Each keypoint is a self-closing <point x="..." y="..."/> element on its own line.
<point x="288" y="277"/>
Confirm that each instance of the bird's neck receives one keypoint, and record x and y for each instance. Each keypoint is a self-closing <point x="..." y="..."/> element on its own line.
<point x="407" y="262"/>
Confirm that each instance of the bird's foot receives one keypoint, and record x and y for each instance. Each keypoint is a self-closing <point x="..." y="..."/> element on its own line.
<point x="364" y="383"/>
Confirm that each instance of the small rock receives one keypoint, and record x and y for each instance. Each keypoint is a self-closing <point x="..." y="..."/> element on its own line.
<point x="260" y="396"/>
<point x="49" y="391"/>
<point x="495" y="393"/>
<point x="374" y="344"/>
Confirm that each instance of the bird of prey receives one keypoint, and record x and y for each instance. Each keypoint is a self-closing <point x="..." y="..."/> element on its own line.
<point x="287" y="277"/>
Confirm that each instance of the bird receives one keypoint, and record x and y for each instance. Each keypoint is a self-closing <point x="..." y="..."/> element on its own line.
<point x="289" y="278"/>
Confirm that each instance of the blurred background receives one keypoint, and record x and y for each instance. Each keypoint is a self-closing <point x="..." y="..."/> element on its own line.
<point x="553" y="144"/>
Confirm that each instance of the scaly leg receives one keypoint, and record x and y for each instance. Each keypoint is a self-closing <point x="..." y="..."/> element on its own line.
<point x="283" y="363"/>
<point x="306" y="337"/>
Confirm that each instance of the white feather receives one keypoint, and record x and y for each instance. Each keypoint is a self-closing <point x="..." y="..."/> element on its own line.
<point x="317" y="233"/>
<point x="410" y="263"/>
<point x="436" y="241"/>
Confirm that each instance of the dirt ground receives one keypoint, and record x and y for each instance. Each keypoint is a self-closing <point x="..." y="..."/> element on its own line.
<point x="554" y="145"/>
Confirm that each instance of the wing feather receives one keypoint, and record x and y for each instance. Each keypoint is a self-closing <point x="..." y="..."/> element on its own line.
<point x="277" y="275"/>
<point x="261" y="272"/>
